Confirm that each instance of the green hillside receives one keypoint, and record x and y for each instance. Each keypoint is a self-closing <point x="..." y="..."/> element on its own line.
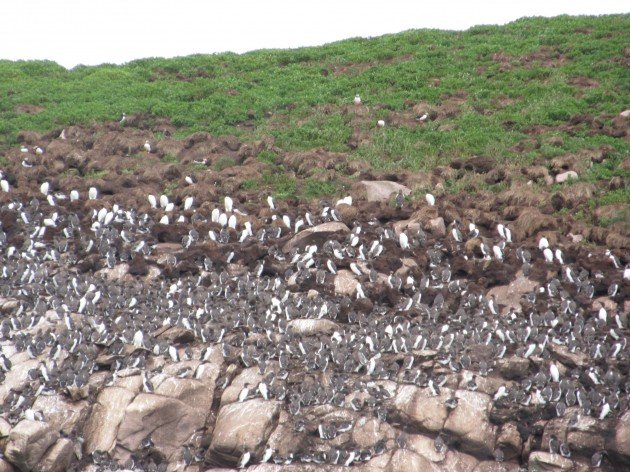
<point x="529" y="91"/>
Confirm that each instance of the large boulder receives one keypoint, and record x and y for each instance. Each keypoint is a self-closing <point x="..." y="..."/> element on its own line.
<point x="57" y="458"/>
<point x="544" y="461"/>
<point x="169" y="421"/>
<point x="102" y="425"/>
<point x="315" y="235"/>
<point x="345" y="283"/>
<point x="17" y="378"/>
<point x="416" y="406"/>
<point x="367" y="432"/>
<point x="61" y="415"/>
<point x="621" y="443"/>
<point x="310" y="327"/>
<point x="400" y="460"/>
<point x="470" y="423"/>
<point x="28" y="443"/>
<point x="382" y="190"/>
<point x="508" y="296"/>
<point x="243" y="427"/>
<point x="191" y="392"/>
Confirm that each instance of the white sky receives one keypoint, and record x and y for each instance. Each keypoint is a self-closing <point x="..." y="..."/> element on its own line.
<point x="89" y="32"/>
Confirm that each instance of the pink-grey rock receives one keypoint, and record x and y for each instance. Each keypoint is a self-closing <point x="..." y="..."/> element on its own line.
<point x="543" y="461"/>
<point x="622" y="436"/>
<point x="57" y="458"/>
<point x="60" y="414"/>
<point x="566" y="176"/>
<point x="470" y="422"/>
<point x="28" y="442"/>
<point x="417" y="406"/>
<point x="6" y="466"/>
<point x="510" y="295"/>
<point x="315" y="235"/>
<point x="368" y="431"/>
<point x="250" y="376"/>
<point x="400" y="460"/>
<point x="243" y="427"/>
<point x="436" y="226"/>
<point x="382" y="190"/>
<point x="17" y="378"/>
<point x="345" y="283"/>
<point x="310" y="326"/>
<point x="510" y="441"/>
<point x="102" y="425"/>
<point x="169" y="421"/>
<point x="494" y="466"/>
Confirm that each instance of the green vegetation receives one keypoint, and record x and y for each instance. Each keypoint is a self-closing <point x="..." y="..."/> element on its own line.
<point x="170" y="159"/>
<point x="95" y="174"/>
<point x="507" y="92"/>
<point x="223" y="163"/>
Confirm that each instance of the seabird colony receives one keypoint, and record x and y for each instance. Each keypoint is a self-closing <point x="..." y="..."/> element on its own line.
<point x="384" y="324"/>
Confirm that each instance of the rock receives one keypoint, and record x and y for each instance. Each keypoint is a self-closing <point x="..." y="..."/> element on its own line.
<point x="512" y="368"/>
<point x="309" y="327"/>
<point x="169" y="421"/>
<point x="243" y="427"/>
<point x="249" y="376"/>
<point x="345" y="283"/>
<point x="425" y="446"/>
<point x="101" y="426"/>
<point x="416" y="405"/>
<point x="510" y="441"/>
<point x="625" y="113"/>
<point x="368" y="431"/>
<point x="509" y="296"/>
<point x="471" y="424"/>
<point x="315" y="235"/>
<point x="494" y="466"/>
<point x="436" y="226"/>
<point x="191" y="392"/>
<point x="28" y="442"/>
<point x="118" y="273"/>
<point x="622" y="437"/>
<point x="401" y="460"/>
<point x="565" y="176"/>
<point x="383" y="190"/>
<point x="60" y="414"/>
<point x="57" y="458"/>
<point x="544" y="461"/>
<point x="568" y="358"/>
<point x="5" y="466"/>
<point x="588" y="435"/>
<point x="456" y="460"/>
<point x="5" y="428"/>
<point x="17" y="378"/>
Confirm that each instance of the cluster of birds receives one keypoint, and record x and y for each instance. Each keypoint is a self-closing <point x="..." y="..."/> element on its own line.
<point x="71" y="322"/>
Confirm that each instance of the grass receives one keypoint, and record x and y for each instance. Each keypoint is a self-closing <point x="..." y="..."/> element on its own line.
<point x="500" y="81"/>
<point x="170" y="159"/>
<point x="223" y="163"/>
<point x="96" y="174"/>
